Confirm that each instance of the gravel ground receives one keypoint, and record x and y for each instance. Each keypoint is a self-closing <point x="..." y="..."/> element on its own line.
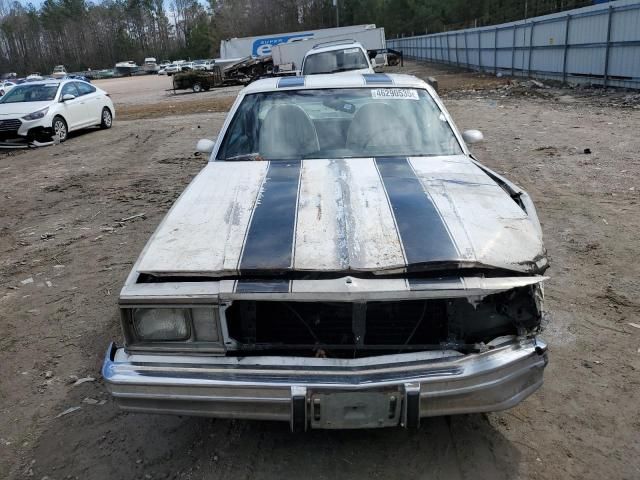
<point x="65" y="251"/>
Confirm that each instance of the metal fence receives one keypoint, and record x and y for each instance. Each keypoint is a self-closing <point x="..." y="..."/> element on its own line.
<point x="596" y="45"/>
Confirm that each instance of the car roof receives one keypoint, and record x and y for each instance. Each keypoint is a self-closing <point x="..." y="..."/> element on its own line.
<point x="333" y="46"/>
<point x="344" y="80"/>
<point x="53" y="81"/>
<point x="44" y="82"/>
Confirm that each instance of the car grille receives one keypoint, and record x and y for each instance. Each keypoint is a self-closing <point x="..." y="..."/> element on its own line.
<point x="10" y="125"/>
<point x="312" y="323"/>
<point x="358" y="329"/>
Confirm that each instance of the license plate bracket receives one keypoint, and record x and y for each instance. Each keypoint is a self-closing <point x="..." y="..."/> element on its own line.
<point x="341" y="410"/>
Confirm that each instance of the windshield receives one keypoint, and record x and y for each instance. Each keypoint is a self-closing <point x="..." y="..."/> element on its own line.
<point x="335" y="61"/>
<point x="31" y="93"/>
<point x="338" y="123"/>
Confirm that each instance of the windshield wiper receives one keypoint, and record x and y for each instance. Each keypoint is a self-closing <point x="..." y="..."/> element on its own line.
<point x="244" y="156"/>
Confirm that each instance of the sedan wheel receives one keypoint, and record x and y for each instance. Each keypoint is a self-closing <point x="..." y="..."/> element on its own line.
<point x="107" y="119"/>
<point x="60" y="128"/>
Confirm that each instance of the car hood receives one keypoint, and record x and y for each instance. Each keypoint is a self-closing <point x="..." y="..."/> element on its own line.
<point x="21" y="108"/>
<point x="383" y="215"/>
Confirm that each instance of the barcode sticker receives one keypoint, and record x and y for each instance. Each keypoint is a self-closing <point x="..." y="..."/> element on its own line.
<point x="395" y="93"/>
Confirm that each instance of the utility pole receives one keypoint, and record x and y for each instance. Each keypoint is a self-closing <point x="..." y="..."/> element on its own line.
<point x="335" y="4"/>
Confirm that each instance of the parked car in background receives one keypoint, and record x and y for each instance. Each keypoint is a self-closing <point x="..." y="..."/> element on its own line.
<point x="186" y="66"/>
<point x="172" y="69"/>
<point x="197" y="63"/>
<point x="204" y="65"/>
<point x="34" y="77"/>
<point x="59" y="71"/>
<point x="78" y="77"/>
<point x="343" y="261"/>
<point x="162" y="67"/>
<point x="150" y="65"/>
<point x="5" y="86"/>
<point x="337" y="57"/>
<point x="36" y="112"/>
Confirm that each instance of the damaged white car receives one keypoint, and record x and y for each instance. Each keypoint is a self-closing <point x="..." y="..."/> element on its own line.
<point x="341" y="262"/>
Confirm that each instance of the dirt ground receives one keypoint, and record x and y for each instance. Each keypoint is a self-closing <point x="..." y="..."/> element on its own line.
<point x="67" y="243"/>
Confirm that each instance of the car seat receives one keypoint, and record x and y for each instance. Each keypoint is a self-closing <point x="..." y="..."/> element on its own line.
<point x="287" y="132"/>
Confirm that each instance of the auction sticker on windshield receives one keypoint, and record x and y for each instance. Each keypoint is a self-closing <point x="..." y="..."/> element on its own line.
<point x="395" y="93"/>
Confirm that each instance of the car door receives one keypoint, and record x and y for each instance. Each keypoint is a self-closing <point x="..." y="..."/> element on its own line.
<point x="72" y="110"/>
<point x="92" y="106"/>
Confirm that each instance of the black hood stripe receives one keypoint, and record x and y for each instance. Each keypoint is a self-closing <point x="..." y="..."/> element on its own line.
<point x="262" y="286"/>
<point x="270" y="238"/>
<point x="287" y="82"/>
<point x="377" y="79"/>
<point x="422" y="230"/>
<point x="452" y="283"/>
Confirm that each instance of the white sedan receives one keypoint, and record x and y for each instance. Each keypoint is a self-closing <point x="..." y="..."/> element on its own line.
<point x="38" y="112"/>
<point x="5" y="86"/>
<point x="173" y="69"/>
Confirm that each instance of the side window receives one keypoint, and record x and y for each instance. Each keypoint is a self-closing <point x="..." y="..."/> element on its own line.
<point x="85" y="88"/>
<point x="69" y="89"/>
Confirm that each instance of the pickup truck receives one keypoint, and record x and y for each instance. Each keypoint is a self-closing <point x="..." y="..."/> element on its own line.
<point x="337" y="57"/>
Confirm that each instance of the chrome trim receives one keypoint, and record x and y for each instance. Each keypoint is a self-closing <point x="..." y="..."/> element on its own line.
<point x="265" y="387"/>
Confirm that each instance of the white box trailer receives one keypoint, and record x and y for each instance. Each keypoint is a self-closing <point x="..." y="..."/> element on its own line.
<point x="260" y="46"/>
<point x="289" y="56"/>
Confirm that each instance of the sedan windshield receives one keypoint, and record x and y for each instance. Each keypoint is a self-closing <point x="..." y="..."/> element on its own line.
<point x="338" y="123"/>
<point x="31" y="93"/>
<point x="335" y="61"/>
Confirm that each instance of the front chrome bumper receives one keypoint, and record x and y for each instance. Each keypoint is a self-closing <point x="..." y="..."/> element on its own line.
<point x="329" y="393"/>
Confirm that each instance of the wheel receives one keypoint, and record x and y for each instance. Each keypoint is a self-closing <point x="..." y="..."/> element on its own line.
<point x="106" y="118"/>
<point x="1" y="93"/>
<point x="197" y="87"/>
<point x="60" y="129"/>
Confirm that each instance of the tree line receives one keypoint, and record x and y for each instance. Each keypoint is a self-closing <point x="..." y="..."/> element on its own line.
<point x="83" y="34"/>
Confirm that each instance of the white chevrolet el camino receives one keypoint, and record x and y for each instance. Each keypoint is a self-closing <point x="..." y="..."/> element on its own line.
<point x="342" y="261"/>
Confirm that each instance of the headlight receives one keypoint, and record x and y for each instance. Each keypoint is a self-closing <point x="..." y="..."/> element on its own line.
<point x="161" y="323"/>
<point x="36" y="115"/>
<point x="196" y="324"/>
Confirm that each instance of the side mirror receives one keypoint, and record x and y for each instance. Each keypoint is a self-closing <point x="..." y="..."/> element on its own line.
<point x="68" y="96"/>
<point x="472" y="136"/>
<point x="205" y="145"/>
<point x="373" y="62"/>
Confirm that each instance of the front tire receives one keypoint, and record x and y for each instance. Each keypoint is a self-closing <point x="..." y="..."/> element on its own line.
<point x="197" y="87"/>
<point x="106" y="119"/>
<point x="60" y="128"/>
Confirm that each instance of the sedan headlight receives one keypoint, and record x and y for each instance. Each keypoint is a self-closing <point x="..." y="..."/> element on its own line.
<point x="161" y="323"/>
<point x="171" y="324"/>
<point x="36" y="115"/>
